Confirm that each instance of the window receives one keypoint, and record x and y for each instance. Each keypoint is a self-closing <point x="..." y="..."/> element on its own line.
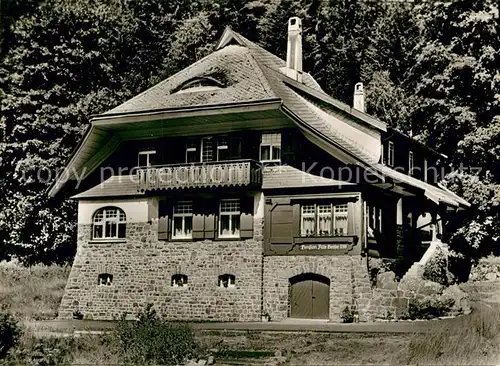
<point x="390" y="154"/>
<point x="192" y="155"/>
<point x="183" y="220"/>
<point x="340" y="218"/>
<point x="222" y="149"/>
<point x="145" y="158"/>
<point x="425" y="170"/>
<point x="410" y="163"/>
<point x="374" y="217"/>
<point x="227" y="281"/>
<point x="270" y="147"/>
<point x="308" y="220"/>
<point x="324" y="220"/>
<point x="229" y="220"/>
<point x="109" y="223"/>
<point x="105" y="279"/>
<point x="207" y="149"/>
<point x="179" y="280"/>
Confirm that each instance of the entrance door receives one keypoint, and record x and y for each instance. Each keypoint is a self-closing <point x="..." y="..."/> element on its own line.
<point x="309" y="296"/>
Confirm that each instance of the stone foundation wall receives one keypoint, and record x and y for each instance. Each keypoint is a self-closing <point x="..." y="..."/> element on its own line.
<point x="142" y="267"/>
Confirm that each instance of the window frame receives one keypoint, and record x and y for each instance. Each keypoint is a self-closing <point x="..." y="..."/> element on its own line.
<point x="174" y="280"/>
<point x="390" y="153"/>
<point x="411" y="163"/>
<point x="231" y="214"/>
<point x="220" y="146"/>
<point x="272" y="146"/>
<point x="333" y="213"/>
<point x="104" y="279"/>
<point x="119" y="219"/>
<point x="183" y="216"/>
<point x="202" y="149"/>
<point x="425" y="170"/>
<point x="193" y="148"/>
<point x="375" y="217"/>
<point x="231" y="281"/>
<point x="148" y="154"/>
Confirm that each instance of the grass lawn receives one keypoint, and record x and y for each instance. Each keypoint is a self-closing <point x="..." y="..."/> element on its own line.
<point x="32" y="293"/>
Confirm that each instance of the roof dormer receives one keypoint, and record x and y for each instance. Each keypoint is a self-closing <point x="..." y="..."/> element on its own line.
<point x="198" y="84"/>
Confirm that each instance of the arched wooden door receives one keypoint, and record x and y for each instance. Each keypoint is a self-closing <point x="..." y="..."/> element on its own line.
<point x="309" y="296"/>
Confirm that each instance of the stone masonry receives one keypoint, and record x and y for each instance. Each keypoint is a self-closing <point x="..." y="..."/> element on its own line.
<point x="349" y="286"/>
<point x="142" y="268"/>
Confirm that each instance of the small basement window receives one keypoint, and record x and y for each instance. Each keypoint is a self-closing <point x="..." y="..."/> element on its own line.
<point x="179" y="280"/>
<point x="105" y="279"/>
<point x="227" y="281"/>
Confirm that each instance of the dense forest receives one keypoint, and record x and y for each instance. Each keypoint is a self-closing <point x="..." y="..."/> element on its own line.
<point x="429" y="68"/>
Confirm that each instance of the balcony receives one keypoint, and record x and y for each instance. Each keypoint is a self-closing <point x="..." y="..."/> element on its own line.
<point x="200" y="175"/>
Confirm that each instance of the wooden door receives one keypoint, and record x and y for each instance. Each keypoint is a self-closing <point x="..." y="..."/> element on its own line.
<point x="309" y="296"/>
<point x="301" y="300"/>
<point x="320" y="300"/>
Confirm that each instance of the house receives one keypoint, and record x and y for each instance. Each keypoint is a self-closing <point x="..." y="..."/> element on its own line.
<point x="237" y="187"/>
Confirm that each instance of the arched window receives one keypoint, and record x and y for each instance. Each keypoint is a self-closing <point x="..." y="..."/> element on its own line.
<point x="105" y="279"/>
<point x="227" y="281"/>
<point x="109" y="223"/>
<point x="179" y="280"/>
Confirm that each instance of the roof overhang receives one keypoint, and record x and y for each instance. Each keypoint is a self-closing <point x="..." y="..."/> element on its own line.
<point x="107" y="131"/>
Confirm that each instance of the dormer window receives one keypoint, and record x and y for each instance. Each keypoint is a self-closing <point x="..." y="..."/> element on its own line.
<point x="198" y="84"/>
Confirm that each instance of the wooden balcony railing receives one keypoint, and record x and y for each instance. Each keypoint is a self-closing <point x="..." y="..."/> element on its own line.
<point x="200" y="175"/>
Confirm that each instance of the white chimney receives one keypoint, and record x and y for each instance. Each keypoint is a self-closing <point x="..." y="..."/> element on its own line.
<point x="359" y="97"/>
<point x="294" y="49"/>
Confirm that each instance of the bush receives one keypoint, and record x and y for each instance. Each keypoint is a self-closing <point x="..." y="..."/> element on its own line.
<point x="428" y="308"/>
<point x="9" y="333"/>
<point x="42" y="351"/>
<point x="348" y="315"/>
<point x="151" y="340"/>
<point x="436" y="267"/>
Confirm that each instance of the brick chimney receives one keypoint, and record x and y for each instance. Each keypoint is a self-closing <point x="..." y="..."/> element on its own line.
<point x="359" y="97"/>
<point x="294" y="49"/>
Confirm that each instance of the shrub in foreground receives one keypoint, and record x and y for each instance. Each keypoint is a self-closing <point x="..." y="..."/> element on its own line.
<point x="151" y="340"/>
<point x="428" y="308"/>
<point x="436" y="267"/>
<point x="9" y="333"/>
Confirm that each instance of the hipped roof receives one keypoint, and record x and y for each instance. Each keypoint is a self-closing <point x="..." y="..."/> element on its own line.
<point x="250" y="76"/>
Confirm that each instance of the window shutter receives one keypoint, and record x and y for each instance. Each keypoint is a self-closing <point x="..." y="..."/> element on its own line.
<point x="163" y="220"/>
<point x="246" y="218"/>
<point x="211" y="212"/>
<point x="198" y="225"/>
<point x="209" y="231"/>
